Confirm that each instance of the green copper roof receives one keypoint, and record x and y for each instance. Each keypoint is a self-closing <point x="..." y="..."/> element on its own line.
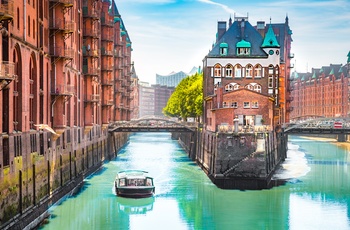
<point x="223" y="45"/>
<point x="122" y="33"/>
<point x="321" y="70"/>
<point x="332" y="72"/>
<point x="349" y="57"/>
<point x="243" y="44"/>
<point x="270" y="39"/>
<point x="313" y="76"/>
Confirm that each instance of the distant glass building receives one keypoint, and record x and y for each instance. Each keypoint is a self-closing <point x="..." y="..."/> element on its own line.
<point x="174" y="78"/>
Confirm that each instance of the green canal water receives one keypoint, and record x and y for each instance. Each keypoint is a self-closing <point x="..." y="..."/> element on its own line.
<point x="316" y="195"/>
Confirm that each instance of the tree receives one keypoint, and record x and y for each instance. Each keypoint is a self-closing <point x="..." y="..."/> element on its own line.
<point x="187" y="98"/>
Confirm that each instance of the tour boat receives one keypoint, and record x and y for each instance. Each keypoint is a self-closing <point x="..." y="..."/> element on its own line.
<point x="134" y="184"/>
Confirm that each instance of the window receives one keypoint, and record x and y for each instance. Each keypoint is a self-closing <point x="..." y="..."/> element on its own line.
<point x="229" y="70"/>
<point x="234" y="104"/>
<point x="29" y="26"/>
<point x="231" y="87"/>
<point x="238" y="71"/>
<point x="243" y="51"/>
<point x="246" y="105"/>
<point x="224" y="104"/>
<point x="217" y="70"/>
<point x="258" y="71"/>
<point x="257" y="88"/>
<point x="255" y="104"/>
<point x="228" y="87"/>
<point x="18" y="16"/>
<point x="270" y="82"/>
<point x="249" y="71"/>
<point x="250" y="87"/>
<point x="34" y="29"/>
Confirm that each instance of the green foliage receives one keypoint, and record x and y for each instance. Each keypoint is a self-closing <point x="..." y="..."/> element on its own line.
<point x="187" y="98"/>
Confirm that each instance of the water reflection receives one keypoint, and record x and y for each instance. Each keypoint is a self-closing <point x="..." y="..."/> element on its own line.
<point x="316" y="195"/>
<point x="135" y="206"/>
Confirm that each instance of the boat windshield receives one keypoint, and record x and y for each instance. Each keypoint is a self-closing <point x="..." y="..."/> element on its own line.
<point x="136" y="182"/>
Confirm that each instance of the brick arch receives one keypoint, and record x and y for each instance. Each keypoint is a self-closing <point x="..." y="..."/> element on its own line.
<point x="17" y="104"/>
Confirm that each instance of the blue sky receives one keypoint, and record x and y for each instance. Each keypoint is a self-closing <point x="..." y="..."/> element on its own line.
<point x="175" y="35"/>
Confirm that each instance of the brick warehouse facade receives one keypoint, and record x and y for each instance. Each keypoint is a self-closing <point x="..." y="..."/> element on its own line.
<point x="65" y="74"/>
<point x="322" y="93"/>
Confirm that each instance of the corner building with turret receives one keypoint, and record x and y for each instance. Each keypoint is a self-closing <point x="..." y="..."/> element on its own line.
<point x="245" y="82"/>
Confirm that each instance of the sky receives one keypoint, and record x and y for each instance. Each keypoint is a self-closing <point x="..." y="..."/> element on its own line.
<point x="176" y="35"/>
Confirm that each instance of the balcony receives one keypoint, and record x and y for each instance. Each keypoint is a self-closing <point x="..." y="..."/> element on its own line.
<point x="107" y="22"/>
<point x="107" y="37"/>
<point x="94" y="98"/>
<point x="67" y="90"/>
<point x="66" y="3"/>
<point x="61" y="52"/>
<point x="108" y="102"/>
<point x="66" y="27"/>
<point x="106" y="52"/>
<point x="7" y="74"/>
<point x="92" y="13"/>
<point x="108" y="82"/>
<point x="91" y="32"/>
<point x="90" y="70"/>
<point x="7" y="11"/>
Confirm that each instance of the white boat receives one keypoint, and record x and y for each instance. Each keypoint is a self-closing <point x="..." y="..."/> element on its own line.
<point x="134" y="184"/>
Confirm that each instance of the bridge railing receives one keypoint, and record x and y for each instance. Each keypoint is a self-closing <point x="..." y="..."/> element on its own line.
<point x="244" y="128"/>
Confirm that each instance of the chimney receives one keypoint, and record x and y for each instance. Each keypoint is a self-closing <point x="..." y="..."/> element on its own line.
<point x="221" y="29"/>
<point x="261" y="28"/>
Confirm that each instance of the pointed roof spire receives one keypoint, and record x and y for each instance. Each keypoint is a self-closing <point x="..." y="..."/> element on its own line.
<point x="270" y="38"/>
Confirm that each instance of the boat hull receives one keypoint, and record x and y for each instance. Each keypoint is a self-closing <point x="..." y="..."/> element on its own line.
<point x="133" y="192"/>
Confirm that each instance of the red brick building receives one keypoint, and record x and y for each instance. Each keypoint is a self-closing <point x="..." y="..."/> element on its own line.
<point x="65" y="74"/>
<point x="246" y="74"/>
<point x="322" y="93"/>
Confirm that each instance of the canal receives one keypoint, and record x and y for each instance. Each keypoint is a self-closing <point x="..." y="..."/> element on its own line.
<point x="316" y="195"/>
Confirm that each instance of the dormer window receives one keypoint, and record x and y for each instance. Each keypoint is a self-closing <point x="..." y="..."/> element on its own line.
<point x="223" y="49"/>
<point x="243" y="48"/>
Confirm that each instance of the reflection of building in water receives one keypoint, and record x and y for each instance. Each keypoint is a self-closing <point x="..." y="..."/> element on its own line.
<point x="135" y="206"/>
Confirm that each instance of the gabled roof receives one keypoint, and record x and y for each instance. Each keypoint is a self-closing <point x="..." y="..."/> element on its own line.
<point x="235" y="34"/>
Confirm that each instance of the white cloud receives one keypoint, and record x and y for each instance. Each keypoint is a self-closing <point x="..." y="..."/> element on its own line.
<point x="224" y="7"/>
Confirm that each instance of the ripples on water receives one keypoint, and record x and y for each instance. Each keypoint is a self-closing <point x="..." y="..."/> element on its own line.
<point x="315" y="197"/>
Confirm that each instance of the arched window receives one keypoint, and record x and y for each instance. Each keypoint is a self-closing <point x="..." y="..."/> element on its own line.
<point x="249" y="86"/>
<point x="238" y="71"/>
<point x="229" y="71"/>
<point x="217" y="70"/>
<point x="254" y="87"/>
<point x="231" y="87"/>
<point x="249" y="71"/>
<point x="258" y="71"/>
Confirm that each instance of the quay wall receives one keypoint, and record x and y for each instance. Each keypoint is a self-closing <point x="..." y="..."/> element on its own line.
<point x="41" y="176"/>
<point x="238" y="160"/>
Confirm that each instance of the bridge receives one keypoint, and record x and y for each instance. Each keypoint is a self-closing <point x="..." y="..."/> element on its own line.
<point x="152" y="124"/>
<point x="322" y="125"/>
